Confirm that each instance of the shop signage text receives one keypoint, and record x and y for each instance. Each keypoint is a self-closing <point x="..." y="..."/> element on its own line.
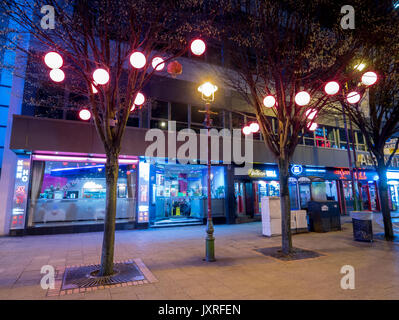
<point x="256" y="173"/>
<point x="390" y="146"/>
<point x="296" y="169"/>
<point x="143" y="201"/>
<point x="20" y="193"/>
<point x="344" y="174"/>
<point x="367" y="160"/>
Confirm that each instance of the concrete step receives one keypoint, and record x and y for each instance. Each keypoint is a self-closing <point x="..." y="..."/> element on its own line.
<point x="176" y="223"/>
<point x="245" y="219"/>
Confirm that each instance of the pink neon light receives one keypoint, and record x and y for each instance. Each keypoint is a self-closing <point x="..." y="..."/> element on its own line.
<point x="80" y="159"/>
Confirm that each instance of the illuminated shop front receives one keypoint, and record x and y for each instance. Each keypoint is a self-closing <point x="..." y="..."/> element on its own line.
<point x="70" y="190"/>
<point x="54" y="191"/>
<point x="393" y="186"/>
<point x="178" y="193"/>
<point x="261" y="181"/>
<point x="306" y="183"/>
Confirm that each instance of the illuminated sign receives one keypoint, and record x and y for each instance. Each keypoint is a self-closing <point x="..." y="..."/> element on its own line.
<point x="20" y="198"/>
<point x="316" y="170"/>
<point x="393" y="175"/>
<point x="144" y="187"/>
<point x="343" y="174"/>
<point x="296" y="169"/>
<point x="364" y="159"/>
<point x="256" y="173"/>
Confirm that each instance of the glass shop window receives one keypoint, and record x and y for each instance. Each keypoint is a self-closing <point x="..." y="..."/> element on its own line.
<point x="179" y="112"/>
<point x="308" y="138"/>
<point x="319" y="137"/>
<point x="67" y="192"/>
<point x="330" y="137"/>
<point x="342" y="138"/>
<point x="159" y="110"/>
<point x="180" y="191"/>
<point x="197" y="116"/>
<point x="361" y="143"/>
<point x="159" y="124"/>
<point x="214" y="54"/>
<point x="238" y="120"/>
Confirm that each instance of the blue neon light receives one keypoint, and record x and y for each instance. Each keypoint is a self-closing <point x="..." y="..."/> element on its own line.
<point x="78" y="168"/>
<point x="316" y="170"/>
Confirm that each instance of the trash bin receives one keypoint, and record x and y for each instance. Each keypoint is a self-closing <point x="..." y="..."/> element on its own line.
<point x="362" y="225"/>
<point x="324" y="216"/>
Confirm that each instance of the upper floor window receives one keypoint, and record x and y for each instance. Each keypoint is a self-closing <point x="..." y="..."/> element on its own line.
<point x="159" y="110"/>
<point x="179" y="112"/>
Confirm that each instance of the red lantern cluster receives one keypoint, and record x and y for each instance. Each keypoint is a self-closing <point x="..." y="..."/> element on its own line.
<point x="54" y="61"/>
<point x="137" y="59"/>
<point x="251" y="128"/>
<point x="331" y="88"/>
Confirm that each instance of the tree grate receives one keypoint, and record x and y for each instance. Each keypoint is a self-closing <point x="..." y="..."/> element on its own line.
<point x="297" y="253"/>
<point x="84" y="276"/>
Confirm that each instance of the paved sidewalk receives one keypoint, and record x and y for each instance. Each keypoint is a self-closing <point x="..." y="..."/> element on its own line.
<point x="174" y="256"/>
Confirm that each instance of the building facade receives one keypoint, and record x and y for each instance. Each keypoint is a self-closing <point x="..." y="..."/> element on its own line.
<point x="53" y="169"/>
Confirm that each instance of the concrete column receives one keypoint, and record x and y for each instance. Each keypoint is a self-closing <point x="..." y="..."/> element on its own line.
<point x="9" y="158"/>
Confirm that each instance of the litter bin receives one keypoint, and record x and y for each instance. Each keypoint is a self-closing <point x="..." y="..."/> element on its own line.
<point x="324" y="216"/>
<point x="362" y="225"/>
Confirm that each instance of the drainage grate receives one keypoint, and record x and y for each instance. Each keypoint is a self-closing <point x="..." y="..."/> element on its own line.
<point x="81" y="277"/>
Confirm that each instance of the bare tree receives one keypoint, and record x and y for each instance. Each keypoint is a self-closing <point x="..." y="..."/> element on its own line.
<point x="378" y="120"/>
<point x="279" y="49"/>
<point x="91" y="34"/>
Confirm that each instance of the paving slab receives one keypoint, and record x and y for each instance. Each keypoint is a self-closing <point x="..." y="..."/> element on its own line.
<point x="175" y="257"/>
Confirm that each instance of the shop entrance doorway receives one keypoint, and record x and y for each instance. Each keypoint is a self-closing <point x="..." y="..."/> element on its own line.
<point x="246" y="195"/>
<point x="394" y="198"/>
<point x="241" y="198"/>
<point x="179" y="195"/>
<point x="365" y="197"/>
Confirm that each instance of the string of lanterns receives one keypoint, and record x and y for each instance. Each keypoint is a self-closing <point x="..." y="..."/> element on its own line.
<point x="101" y="76"/>
<point x="302" y="98"/>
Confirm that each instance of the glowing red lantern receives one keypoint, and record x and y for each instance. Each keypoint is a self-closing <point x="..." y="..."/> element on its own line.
<point x="84" y="114"/>
<point x="331" y="88"/>
<point x="353" y="97"/>
<point x="311" y="114"/>
<point x="254" y="127"/>
<point x="369" y="78"/>
<point x="174" y="68"/>
<point x="158" y="64"/>
<point x="57" y="75"/>
<point x="302" y="98"/>
<point x="93" y="89"/>
<point x="101" y="76"/>
<point x="139" y="100"/>
<point x="138" y="60"/>
<point x="313" y="126"/>
<point x="269" y="101"/>
<point x="198" y="47"/>
<point x="53" y="60"/>
<point x="246" y="130"/>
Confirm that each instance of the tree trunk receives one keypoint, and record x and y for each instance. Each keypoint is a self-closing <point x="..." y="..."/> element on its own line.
<point x="111" y="177"/>
<point x="283" y="166"/>
<point x="383" y="192"/>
